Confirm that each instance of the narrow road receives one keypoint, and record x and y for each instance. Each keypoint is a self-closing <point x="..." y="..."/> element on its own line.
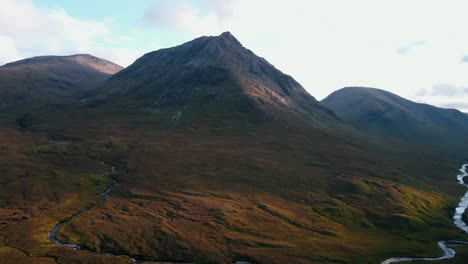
<point x="457" y="220"/>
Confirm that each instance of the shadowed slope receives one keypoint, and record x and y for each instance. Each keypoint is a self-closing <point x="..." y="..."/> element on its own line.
<point x="386" y="113"/>
<point x="211" y="74"/>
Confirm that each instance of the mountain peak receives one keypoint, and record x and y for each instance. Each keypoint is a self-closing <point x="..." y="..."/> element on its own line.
<point x="229" y="37"/>
<point x="212" y="71"/>
<point x="226" y="34"/>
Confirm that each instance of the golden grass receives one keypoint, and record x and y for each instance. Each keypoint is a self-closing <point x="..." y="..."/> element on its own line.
<point x="214" y="196"/>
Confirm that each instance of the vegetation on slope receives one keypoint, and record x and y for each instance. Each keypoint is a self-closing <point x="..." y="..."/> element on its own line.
<point x="217" y="170"/>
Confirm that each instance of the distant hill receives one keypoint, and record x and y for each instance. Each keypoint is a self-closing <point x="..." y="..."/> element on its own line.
<point x="385" y="113"/>
<point x="51" y="79"/>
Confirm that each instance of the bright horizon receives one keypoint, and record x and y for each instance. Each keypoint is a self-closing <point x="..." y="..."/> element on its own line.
<point x="416" y="49"/>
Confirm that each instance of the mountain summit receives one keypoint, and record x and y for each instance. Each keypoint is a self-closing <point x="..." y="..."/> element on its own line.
<point x="211" y="72"/>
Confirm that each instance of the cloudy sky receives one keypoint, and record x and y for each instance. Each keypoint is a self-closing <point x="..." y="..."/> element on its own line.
<point x="416" y="49"/>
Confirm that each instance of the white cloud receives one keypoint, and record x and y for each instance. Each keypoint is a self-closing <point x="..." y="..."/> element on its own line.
<point x="8" y="50"/>
<point x="203" y="17"/>
<point x="121" y="56"/>
<point x="443" y="89"/>
<point x="445" y="95"/>
<point x="458" y="102"/>
<point x="463" y="106"/>
<point x="409" y="47"/>
<point x="464" y="58"/>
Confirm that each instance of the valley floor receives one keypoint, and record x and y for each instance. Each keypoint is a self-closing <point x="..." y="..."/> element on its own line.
<point x="214" y="197"/>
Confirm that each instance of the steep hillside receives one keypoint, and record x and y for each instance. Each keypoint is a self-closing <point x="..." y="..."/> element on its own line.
<point x="211" y="74"/>
<point x="388" y="114"/>
<point x="51" y="79"/>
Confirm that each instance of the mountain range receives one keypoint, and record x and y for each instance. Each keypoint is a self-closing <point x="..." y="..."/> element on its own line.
<point x="220" y="158"/>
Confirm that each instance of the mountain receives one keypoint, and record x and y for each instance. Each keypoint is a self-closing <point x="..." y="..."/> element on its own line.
<point x="387" y="114"/>
<point x="219" y="157"/>
<point x="211" y="74"/>
<point x="51" y="79"/>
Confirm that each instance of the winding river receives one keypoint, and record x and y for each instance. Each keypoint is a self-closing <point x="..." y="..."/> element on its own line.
<point x="457" y="220"/>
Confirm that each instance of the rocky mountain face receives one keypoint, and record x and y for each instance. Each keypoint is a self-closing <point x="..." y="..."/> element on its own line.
<point x="387" y="114"/>
<point x="215" y="73"/>
<point x="52" y="79"/>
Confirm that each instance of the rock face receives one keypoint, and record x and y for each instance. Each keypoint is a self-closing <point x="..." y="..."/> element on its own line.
<point x="388" y="114"/>
<point x="52" y="79"/>
<point x="215" y="72"/>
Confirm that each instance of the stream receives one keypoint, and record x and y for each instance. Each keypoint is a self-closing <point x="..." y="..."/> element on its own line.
<point x="443" y="245"/>
<point x="457" y="220"/>
<point x="52" y="236"/>
<point x="53" y="233"/>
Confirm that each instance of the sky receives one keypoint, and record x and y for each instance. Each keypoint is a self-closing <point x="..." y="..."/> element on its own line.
<point x="417" y="49"/>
